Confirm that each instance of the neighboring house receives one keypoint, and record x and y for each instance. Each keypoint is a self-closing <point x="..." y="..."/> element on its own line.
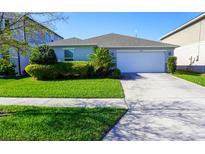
<point x="34" y="38"/>
<point x="130" y="54"/>
<point x="191" y="39"/>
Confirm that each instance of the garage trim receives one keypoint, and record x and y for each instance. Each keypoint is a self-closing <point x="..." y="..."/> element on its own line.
<point x="140" y="50"/>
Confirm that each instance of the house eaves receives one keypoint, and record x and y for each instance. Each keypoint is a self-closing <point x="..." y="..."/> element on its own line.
<point x="187" y="24"/>
<point x="137" y="47"/>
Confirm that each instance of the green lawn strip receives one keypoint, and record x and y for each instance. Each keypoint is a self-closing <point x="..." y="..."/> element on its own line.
<point x="56" y="123"/>
<point x="82" y="88"/>
<point x="191" y="76"/>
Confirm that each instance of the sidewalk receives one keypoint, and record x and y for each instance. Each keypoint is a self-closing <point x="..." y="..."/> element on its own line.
<point x="64" y="102"/>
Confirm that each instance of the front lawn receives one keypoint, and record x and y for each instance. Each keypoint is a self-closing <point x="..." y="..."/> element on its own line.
<point x="82" y="88"/>
<point x="191" y="76"/>
<point x="56" y="123"/>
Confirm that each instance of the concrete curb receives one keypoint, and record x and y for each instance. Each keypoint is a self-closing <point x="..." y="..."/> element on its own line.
<point x="65" y="102"/>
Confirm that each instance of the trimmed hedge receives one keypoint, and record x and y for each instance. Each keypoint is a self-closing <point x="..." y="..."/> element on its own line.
<point x="63" y="70"/>
<point x="172" y="64"/>
<point x="42" y="72"/>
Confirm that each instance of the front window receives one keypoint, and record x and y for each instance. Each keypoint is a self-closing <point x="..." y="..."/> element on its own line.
<point x="68" y="54"/>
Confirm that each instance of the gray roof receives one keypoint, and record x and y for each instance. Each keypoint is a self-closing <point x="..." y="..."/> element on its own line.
<point x="67" y="42"/>
<point x="111" y="40"/>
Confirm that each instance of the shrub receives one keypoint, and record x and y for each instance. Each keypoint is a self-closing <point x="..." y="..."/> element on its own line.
<point x="116" y="73"/>
<point x="101" y="60"/>
<point x="43" y="55"/>
<point x="42" y="72"/>
<point x="72" y="69"/>
<point x="171" y="64"/>
<point x="59" y="70"/>
<point x="6" y="67"/>
<point x="91" y="71"/>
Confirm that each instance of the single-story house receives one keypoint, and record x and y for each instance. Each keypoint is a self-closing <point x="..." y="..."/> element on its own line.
<point x="191" y="39"/>
<point x="131" y="54"/>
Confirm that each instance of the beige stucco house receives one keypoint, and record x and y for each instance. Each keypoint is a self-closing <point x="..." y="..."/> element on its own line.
<point x="191" y="39"/>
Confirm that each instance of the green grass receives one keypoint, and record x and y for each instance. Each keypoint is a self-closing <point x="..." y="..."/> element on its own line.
<point x="85" y="88"/>
<point x="31" y="123"/>
<point x="191" y="76"/>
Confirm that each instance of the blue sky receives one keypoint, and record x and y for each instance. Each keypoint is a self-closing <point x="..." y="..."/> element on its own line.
<point x="145" y="25"/>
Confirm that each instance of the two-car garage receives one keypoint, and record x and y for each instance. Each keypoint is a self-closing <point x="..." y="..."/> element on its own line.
<point x="141" y="61"/>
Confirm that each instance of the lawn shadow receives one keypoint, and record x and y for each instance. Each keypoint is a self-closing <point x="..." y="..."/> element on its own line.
<point x="81" y="118"/>
<point x="174" y="121"/>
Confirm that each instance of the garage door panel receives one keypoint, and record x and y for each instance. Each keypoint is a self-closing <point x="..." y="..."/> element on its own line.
<point x="141" y="61"/>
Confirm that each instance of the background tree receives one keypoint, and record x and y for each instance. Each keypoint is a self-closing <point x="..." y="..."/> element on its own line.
<point x="13" y="25"/>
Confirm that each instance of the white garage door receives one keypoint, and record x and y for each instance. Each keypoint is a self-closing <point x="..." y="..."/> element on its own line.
<point x="141" y="61"/>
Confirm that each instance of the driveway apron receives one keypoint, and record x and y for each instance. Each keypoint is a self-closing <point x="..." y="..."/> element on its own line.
<point x="161" y="107"/>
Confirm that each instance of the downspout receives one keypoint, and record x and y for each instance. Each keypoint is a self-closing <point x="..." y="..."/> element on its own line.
<point x="199" y="45"/>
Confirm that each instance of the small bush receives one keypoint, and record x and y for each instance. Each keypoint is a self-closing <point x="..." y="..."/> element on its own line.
<point x="43" y="55"/>
<point x="6" y="67"/>
<point x="172" y="64"/>
<point x="116" y="73"/>
<point x="63" y="70"/>
<point x="91" y="71"/>
<point x="101" y="60"/>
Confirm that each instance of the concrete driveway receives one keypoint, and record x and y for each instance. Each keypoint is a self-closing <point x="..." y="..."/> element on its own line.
<point x="161" y="107"/>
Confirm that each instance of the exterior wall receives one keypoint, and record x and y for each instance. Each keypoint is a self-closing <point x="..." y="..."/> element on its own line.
<point x="188" y="35"/>
<point x="38" y="38"/>
<point x="80" y="53"/>
<point x="196" y="52"/>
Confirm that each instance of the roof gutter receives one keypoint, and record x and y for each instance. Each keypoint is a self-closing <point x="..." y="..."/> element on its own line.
<point x="138" y="46"/>
<point x="71" y="45"/>
<point x="172" y="47"/>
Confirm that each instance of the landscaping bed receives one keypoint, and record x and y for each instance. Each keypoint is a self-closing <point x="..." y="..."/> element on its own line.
<point x="78" y="88"/>
<point x="31" y="123"/>
<point x="191" y="76"/>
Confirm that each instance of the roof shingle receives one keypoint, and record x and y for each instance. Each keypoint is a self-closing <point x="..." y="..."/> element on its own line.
<point x="111" y="40"/>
